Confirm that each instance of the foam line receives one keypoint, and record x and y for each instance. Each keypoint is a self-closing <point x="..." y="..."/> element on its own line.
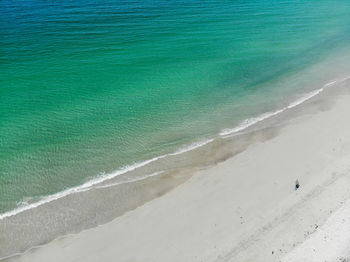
<point x="191" y="147"/>
<point x="89" y="184"/>
<point x="131" y="180"/>
<point x="252" y="121"/>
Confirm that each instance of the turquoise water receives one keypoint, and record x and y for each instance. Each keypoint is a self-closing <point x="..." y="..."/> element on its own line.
<point x="88" y="87"/>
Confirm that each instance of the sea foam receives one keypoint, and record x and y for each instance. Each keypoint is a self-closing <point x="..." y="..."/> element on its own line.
<point x="252" y="121"/>
<point x="131" y="180"/>
<point x="102" y="178"/>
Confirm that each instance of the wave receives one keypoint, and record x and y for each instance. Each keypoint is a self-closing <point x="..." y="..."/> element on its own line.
<point x="89" y="184"/>
<point x="191" y="147"/>
<point x="249" y="122"/>
<point x="84" y="187"/>
<point x="252" y="121"/>
<point x="131" y="180"/>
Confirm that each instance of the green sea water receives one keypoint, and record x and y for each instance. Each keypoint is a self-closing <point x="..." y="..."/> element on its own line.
<point x="88" y="87"/>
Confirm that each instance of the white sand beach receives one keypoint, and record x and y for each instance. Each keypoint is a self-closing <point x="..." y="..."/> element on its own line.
<point x="245" y="208"/>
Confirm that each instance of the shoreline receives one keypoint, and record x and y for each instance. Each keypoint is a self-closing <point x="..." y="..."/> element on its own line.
<point x="200" y="192"/>
<point x="227" y="132"/>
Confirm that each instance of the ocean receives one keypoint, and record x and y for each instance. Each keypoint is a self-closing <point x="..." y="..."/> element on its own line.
<point x="92" y="90"/>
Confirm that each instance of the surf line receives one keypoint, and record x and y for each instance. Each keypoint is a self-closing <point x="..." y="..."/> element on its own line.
<point x="252" y="121"/>
<point x="102" y="178"/>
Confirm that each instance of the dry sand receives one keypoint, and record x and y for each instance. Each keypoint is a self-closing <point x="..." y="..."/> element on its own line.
<point x="243" y="209"/>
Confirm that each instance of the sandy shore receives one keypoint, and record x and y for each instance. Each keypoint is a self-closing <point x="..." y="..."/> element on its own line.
<point x="245" y="208"/>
